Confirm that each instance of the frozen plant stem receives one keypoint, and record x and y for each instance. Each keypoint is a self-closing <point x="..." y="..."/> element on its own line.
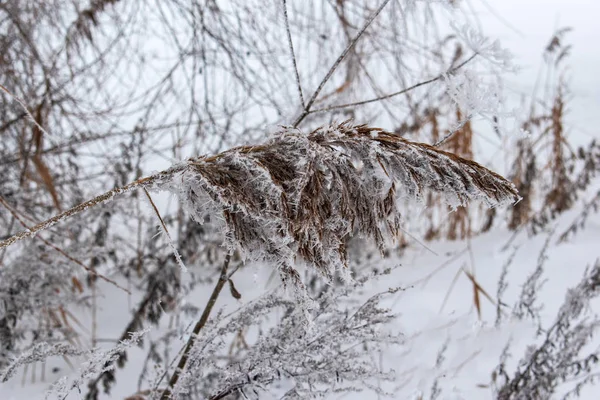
<point x="389" y="96"/>
<point x="93" y="272"/>
<point x="337" y="63"/>
<point x="291" y="45"/>
<point x="198" y="327"/>
<point x="103" y="198"/>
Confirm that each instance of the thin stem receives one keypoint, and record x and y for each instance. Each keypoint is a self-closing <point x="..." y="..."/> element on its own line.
<point x="103" y="198"/>
<point x="291" y="44"/>
<point x="61" y="251"/>
<point x="408" y="89"/>
<point x="29" y="114"/>
<point x="452" y="132"/>
<point x="223" y="278"/>
<point x="337" y="63"/>
<point x="166" y="231"/>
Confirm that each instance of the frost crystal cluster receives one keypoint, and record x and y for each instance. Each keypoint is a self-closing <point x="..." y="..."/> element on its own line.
<point x="306" y="194"/>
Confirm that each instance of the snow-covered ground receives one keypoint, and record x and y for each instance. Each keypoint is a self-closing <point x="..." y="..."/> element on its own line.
<point x="445" y="339"/>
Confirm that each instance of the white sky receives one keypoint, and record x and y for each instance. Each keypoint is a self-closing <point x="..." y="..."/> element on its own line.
<point x="525" y="27"/>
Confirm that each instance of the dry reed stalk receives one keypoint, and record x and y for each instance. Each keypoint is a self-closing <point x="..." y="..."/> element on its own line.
<point x="103" y="198"/>
<point x="306" y="194"/>
<point x="523" y="176"/>
<point x="433" y="201"/>
<point x="461" y="144"/>
<point x="560" y="198"/>
<point x="223" y="278"/>
<point x="62" y="252"/>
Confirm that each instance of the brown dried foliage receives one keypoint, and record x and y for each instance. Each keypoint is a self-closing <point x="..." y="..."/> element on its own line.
<point x="307" y="194"/>
<point x="461" y="144"/>
<point x="560" y="198"/>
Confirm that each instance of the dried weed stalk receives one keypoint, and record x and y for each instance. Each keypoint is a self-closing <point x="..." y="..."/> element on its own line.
<point x="305" y="195"/>
<point x="460" y="143"/>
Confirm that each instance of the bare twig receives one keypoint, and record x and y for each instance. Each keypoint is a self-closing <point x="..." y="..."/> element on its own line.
<point x="27" y="112"/>
<point x="387" y="96"/>
<point x="103" y="198"/>
<point x="457" y="128"/>
<point x="164" y="228"/>
<point x="337" y="63"/>
<point x="291" y="44"/>
<point x="579" y="221"/>
<point x="61" y="251"/>
<point x="223" y="278"/>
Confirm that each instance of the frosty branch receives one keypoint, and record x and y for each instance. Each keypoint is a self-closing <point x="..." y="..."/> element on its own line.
<point x="305" y="194"/>
<point x="223" y="277"/>
<point x="337" y="63"/>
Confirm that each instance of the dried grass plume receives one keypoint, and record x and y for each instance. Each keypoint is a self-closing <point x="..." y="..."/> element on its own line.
<point x="306" y="194"/>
